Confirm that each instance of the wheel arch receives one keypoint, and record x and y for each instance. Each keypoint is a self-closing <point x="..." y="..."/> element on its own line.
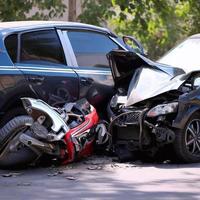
<point x="14" y="101"/>
<point x="184" y="115"/>
<point x="13" y="107"/>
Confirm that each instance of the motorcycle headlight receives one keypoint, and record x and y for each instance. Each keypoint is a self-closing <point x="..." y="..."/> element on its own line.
<point x="163" y="109"/>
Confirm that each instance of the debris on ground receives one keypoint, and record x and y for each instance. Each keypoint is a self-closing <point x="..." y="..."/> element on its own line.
<point x="96" y="167"/>
<point x="55" y="173"/>
<point x="24" y="184"/>
<point x="71" y="178"/>
<point x="10" y="174"/>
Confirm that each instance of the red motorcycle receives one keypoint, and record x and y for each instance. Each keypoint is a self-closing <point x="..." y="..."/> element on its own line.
<point x="67" y="134"/>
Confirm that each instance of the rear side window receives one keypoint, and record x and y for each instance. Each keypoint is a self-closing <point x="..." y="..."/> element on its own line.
<point x="91" y="48"/>
<point x="41" y="47"/>
<point x="11" y="46"/>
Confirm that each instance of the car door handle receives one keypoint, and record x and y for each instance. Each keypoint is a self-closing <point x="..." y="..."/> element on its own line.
<point x="36" y="79"/>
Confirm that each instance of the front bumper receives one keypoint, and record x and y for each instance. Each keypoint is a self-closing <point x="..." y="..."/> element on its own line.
<point x="132" y="127"/>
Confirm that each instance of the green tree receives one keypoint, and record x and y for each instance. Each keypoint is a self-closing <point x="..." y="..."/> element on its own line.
<point x="192" y="16"/>
<point x="158" y="24"/>
<point x="13" y="10"/>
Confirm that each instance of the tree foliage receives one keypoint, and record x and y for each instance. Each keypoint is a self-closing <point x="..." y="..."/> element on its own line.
<point x="157" y="24"/>
<point x="13" y="10"/>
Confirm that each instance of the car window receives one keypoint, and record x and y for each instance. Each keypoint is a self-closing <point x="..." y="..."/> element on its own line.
<point x="41" y="47"/>
<point x="90" y="48"/>
<point x="11" y="46"/>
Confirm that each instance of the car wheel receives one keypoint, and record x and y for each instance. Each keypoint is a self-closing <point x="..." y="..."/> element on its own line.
<point x="20" y="155"/>
<point x="187" y="141"/>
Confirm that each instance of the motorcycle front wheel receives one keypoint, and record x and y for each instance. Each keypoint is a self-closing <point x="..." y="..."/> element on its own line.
<point x="14" y="154"/>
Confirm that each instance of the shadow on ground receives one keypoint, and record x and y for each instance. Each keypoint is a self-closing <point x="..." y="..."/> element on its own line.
<point x="101" y="178"/>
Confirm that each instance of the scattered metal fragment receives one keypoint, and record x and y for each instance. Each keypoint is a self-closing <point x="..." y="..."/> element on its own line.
<point x="7" y="175"/>
<point x="96" y="167"/>
<point x="55" y="173"/>
<point x="167" y="162"/>
<point x="24" y="184"/>
<point x="70" y="178"/>
<point x="10" y="174"/>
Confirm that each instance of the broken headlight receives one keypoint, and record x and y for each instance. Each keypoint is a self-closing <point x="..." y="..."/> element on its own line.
<point x="163" y="109"/>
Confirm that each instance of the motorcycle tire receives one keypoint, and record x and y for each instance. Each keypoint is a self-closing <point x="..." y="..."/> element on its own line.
<point x="22" y="155"/>
<point x="187" y="141"/>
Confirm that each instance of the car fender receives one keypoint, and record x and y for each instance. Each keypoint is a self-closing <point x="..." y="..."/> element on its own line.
<point x="184" y="115"/>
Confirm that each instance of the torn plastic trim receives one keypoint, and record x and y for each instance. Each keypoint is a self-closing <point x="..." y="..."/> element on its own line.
<point x="37" y="104"/>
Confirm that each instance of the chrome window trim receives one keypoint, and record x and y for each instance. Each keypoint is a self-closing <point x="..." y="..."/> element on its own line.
<point x="64" y="47"/>
<point x="79" y="28"/>
<point x="69" y="50"/>
<point x="118" y="43"/>
<point x="31" y="31"/>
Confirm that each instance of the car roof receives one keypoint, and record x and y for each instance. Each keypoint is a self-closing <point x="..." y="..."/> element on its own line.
<point x="195" y="36"/>
<point x="7" y="27"/>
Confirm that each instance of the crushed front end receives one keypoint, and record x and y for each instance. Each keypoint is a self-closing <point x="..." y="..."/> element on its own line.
<point x="146" y="126"/>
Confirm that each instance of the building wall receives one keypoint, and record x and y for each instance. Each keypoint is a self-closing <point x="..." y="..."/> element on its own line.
<point x="65" y="16"/>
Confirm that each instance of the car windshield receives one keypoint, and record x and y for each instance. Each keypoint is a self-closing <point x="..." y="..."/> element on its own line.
<point x="186" y="55"/>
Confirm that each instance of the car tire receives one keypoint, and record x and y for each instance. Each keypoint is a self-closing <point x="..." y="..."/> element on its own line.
<point x="187" y="141"/>
<point x="23" y="155"/>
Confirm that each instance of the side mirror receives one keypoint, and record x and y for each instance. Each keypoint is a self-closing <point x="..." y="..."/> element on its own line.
<point x="134" y="44"/>
<point x="196" y="83"/>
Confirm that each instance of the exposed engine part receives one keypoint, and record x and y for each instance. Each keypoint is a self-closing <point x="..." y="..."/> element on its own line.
<point x="141" y="123"/>
<point x="102" y="134"/>
<point x="112" y="123"/>
<point x="68" y="107"/>
<point x="41" y="119"/>
<point x="39" y="131"/>
<point x="164" y="135"/>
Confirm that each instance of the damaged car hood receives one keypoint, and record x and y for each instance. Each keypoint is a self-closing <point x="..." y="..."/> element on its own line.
<point x="141" y="77"/>
<point x="147" y="83"/>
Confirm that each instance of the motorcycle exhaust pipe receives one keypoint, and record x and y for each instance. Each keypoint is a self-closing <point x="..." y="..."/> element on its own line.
<point x="37" y="146"/>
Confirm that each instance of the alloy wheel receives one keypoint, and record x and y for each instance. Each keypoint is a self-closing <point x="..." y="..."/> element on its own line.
<point x="192" y="137"/>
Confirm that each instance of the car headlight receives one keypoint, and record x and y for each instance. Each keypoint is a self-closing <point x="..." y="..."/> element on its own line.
<point x="163" y="109"/>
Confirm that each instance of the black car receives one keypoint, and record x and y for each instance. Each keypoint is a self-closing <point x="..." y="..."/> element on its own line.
<point x="56" y="62"/>
<point x="153" y="110"/>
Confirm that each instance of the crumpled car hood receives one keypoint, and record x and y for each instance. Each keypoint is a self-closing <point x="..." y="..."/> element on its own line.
<point x="141" y="77"/>
<point x="148" y="83"/>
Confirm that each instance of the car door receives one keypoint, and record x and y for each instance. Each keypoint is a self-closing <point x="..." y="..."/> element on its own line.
<point x="42" y="60"/>
<point x="90" y="49"/>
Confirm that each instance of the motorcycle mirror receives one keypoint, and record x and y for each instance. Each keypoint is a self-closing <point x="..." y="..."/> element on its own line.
<point x="134" y="44"/>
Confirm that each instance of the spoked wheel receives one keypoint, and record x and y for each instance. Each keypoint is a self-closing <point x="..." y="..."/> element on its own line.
<point x="187" y="142"/>
<point x="192" y="137"/>
<point x="12" y="152"/>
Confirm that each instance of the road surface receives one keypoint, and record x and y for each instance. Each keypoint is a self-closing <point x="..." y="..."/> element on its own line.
<point x="101" y="178"/>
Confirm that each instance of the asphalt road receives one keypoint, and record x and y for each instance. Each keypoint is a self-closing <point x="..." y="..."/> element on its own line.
<point x="100" y="178"/>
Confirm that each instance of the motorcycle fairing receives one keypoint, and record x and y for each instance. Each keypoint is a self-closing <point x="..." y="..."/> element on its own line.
<point x="58" y="122"/>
